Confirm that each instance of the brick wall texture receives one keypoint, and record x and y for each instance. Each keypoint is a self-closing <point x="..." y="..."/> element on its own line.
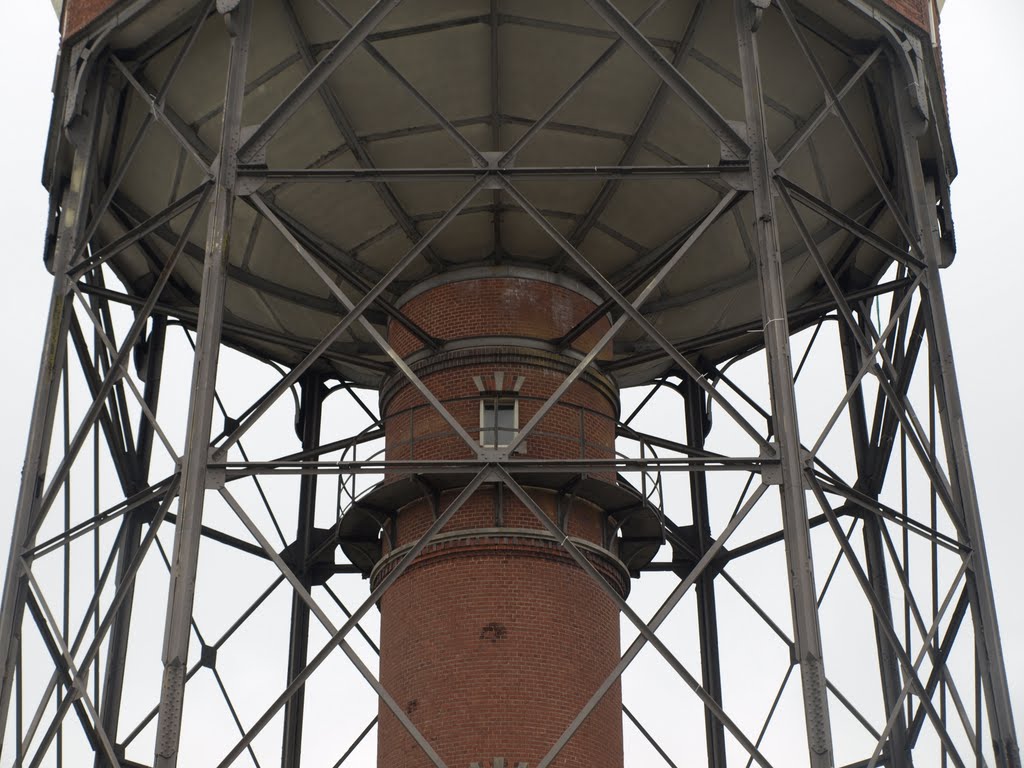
<point x="493" y="640"/>
<point x="582" y="424"/>
<point x="78" y="13"/>
<point x="491" y="652"/>
<point x="914" y="10"/>
<point x="500" y="306"/>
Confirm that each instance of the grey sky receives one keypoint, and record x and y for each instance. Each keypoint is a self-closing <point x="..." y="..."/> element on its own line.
<point x="984" y="67"/>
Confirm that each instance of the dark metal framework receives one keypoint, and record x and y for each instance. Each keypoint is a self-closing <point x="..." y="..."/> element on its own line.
<point x="919" y="571"/>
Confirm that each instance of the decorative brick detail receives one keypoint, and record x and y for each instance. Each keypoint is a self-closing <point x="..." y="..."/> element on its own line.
<point x="582" y="424"/>
<point x="485" y="509"/>
<point x="512" y="544"/>
<point x="467" y="365"/>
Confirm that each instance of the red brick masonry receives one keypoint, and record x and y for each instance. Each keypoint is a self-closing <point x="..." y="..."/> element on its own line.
<point x="494" y="639"/>
<point x="914" y="10"/>
<point x="491" y="648"/>
<point x="78" y="13"/>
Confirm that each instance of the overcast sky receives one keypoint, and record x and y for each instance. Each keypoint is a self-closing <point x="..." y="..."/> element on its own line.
<point x="984" y="69"/>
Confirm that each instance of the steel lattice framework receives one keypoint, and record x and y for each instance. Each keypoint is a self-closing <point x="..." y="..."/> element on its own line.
<point x="107" y="478"/>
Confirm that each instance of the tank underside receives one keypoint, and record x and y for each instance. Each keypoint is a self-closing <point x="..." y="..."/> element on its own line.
<point x="440" y="98"/>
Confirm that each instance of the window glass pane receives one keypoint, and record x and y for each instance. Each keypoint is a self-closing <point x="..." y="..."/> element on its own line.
<point x="506" y="415"/>
<point x="497" y="422"/>
<point x="487" y="419"/>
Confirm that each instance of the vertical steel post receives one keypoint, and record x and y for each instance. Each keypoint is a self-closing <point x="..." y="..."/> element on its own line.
<point x="803" y="595"/>
<point x="979" y="580"/>
<point x="707" y="609"/>
<point x="200" y="412"/>
<point x="73" y="214"/>
<point x="866" y="456"/>
<point x="310" y="412"/>
<point x="131" y="533"/>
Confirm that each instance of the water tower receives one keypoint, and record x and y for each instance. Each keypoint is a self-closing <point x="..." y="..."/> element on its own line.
<point x="652" y="448"/>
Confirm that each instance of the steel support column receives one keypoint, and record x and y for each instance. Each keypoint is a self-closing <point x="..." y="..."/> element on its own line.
<point x="309" y="417"/>
<point x="73" y="214"/>
<point x="131" y="533"/>
<point x="803" y="595"/>
<point x="707" y="611"/>
<point x="865" y="454"/>
<point x="200" y="416"/>
<point x="979" y="581"/>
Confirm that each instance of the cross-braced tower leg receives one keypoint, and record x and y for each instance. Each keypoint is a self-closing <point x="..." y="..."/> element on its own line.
<point x="131" y="534"/>
<point x="922" y="195"/>
<point x="803" y="595"/>
<point x="308" y="424"/>
<point x="204" y="373"/>
<point x="74" y="206"/>
<point x="871" y="461"/>
<point x="707" y="611"/>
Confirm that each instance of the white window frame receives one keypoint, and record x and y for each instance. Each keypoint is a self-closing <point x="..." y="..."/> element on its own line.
<point x="488" y="434"/>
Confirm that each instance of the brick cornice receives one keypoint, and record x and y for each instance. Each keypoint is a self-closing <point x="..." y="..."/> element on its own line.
<point x="505" y="542"/>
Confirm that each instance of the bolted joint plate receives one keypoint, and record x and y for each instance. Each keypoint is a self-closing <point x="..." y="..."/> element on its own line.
<point x="687" y="550"/>
<point x="172" y="692"/>
<point x="245" y="186"/>
<point x="771" y="468"/>
<point x="319" y="567"/>
<point x="493" y="158"/>
<point x="216" y="478"/>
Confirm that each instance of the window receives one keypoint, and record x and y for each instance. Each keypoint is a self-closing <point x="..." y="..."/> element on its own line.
<point x="499" y="421"/>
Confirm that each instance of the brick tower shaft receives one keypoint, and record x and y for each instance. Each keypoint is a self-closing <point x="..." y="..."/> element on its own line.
<point x="494" y="639"/>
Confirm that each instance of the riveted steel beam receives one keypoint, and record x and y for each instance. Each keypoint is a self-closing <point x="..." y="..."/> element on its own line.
<point x="922" y="196"/>
<point x="181" y="595"/>
<point x="806" y="623"/>
<point x="309" y="419"/>
<point x="554" y="172"/>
